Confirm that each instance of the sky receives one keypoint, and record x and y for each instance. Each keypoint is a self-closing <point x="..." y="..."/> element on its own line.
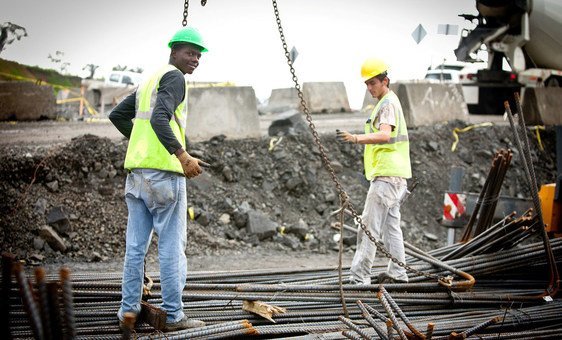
<point x="332" y="37"/>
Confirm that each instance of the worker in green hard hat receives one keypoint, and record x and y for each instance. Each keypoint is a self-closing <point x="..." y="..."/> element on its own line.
<point x="153" y="119"/>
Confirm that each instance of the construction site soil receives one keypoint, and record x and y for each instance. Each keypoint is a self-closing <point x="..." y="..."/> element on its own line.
<point x="82" y="183"/>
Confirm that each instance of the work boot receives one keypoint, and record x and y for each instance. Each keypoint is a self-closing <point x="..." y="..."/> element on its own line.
<point x="385" y="278"/>
<point x="184" y="323"/>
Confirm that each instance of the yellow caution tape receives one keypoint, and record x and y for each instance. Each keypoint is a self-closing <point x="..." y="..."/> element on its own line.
<point x="537" y="129"/>
<point x="221" y="84"/>
<point x="36" y="81"/>
<point x="468" y="128"/>
<point x="191" y="213"/>
<point x="273" y="142"/>
<point x="89" y="107"/>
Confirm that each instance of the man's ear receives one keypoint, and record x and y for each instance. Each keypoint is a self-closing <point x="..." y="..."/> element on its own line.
<point x="386" y="81"/>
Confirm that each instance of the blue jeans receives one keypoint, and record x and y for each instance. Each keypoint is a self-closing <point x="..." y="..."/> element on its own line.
<point x="157" y="202"/>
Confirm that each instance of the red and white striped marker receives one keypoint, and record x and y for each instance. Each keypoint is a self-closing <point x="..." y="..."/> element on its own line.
<point x="453" y="206"/>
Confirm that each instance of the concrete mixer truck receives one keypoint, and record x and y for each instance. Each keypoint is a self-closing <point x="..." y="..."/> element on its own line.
<point x="527" y="34"/>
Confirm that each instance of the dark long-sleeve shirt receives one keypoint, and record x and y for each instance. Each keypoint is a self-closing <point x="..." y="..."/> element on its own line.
<point x="171" y="93"/>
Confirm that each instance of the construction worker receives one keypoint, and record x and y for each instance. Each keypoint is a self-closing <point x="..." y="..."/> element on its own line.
<point x="387" y="166"/>
<point x="158" y="165"/>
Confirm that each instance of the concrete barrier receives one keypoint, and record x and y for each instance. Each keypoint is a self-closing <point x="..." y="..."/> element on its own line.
<point x="231" y="111"/>
<point x="542" y="106"/>
<point x="324" y="97"/>
<point x="282" y="100"/>
<point x="426" y="103"/>
<point x="26" y="101"/>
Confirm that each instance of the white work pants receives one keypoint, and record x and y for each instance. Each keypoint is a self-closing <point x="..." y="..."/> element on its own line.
<point x="382" y="216"/>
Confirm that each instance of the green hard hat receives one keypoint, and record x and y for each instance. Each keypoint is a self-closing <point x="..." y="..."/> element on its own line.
<point x="188" y="35"/>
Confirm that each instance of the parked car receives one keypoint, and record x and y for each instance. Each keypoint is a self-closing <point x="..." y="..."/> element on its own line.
<point x="123" y="78"/>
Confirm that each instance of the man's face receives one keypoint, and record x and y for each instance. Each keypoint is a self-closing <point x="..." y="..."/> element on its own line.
<point x="186" y="58"/>
<point x="376" y="87"/>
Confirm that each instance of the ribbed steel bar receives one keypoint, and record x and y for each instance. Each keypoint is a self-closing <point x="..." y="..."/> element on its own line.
<point x="43" y="302"/>
<point x="401" y="314"/>
<point x="67" y="302"/>
<point x="204" y="331"/>
<point x="391" y="315"/>
<point x="530" y="175"/>
<point x="5" y="305"/>
<point x="28" y="302"/>
<point x="354" y="327"/>
<point x="371" y="321"/>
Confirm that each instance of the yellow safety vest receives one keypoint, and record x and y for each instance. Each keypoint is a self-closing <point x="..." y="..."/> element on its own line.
<point x="392" y="158"/>
<point x="145" y="149"/>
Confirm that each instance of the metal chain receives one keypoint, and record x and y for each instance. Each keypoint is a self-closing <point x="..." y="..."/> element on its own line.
<point x="326" y="161"/>
<point x="186" y="8"/>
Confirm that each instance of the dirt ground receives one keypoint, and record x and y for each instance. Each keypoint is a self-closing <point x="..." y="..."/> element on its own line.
<point x="84" y="178"/>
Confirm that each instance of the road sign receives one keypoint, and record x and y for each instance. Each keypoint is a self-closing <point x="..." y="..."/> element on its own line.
<point x="419" y="33"/>
<point x="447" y="29"/>
<point x="294" y="54"/>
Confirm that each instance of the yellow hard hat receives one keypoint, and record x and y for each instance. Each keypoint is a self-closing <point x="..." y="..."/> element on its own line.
<point x="373" y="67"/>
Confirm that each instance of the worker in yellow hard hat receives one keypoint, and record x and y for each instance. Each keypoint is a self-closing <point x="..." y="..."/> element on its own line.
<point x="153" y="119"/>
<point x="387" y="166"/>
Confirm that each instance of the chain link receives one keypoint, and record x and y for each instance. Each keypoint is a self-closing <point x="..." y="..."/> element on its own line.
<point x="326" y="161"/>
<point x="185" y="11"/>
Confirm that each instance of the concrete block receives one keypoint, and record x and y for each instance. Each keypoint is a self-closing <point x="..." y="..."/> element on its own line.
<point x="282" y="100"/>
<point x="230" y="111"/>
<point x="26" y="101"/>
<point x="325" y="97"/>
<point x="426" y="104"/>
<point x="542" y="106"/>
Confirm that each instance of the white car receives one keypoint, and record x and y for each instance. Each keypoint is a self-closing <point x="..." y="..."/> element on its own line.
<point x="123" y="78"/>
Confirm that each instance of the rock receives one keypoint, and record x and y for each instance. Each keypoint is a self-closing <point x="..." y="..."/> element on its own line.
<point x="203" y="218"/>
<point x="227" y="173"/>
<point x="430" y="236"/>
<point x="240" y="218"/>
<point x="53" y="186"/>
<point x="260" y="225"/>
<point x="38" y="243"/>
<point x="224" y="219"/>
<point x="105" y="190"/>
<point x="40" y="206"/>
<point x="96" y="257"/>
<point x="288" y="123"/>
<point x="52" y="238"/>
<point x="300" y="229"/>
<point x="337" y="166"/>
<point x="58" y="219"/>
<point x="433" y="146"/>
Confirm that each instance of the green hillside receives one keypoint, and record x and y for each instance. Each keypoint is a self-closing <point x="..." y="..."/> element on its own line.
<point x="13" y="71"/>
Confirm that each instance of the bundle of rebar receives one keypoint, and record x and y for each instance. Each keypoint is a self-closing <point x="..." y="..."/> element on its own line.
<point x="508" y="299"/>
<point x="483" y="213"/>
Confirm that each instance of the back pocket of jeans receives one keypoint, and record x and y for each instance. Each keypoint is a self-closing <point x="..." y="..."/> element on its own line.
<point x="163" y="191"/>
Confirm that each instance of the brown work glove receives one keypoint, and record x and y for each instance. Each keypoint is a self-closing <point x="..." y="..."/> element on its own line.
<point x="191" y="165"/>
<point x="346" y="137"/>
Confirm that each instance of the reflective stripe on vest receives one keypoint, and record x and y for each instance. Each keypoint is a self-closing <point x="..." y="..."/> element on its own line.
<point x="392" y="158"/>
<point x="145" y="149"/>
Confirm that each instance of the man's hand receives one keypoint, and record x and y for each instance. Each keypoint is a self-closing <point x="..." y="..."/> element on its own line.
<point x="191" y="165"/>
<point x="346" y="137"/>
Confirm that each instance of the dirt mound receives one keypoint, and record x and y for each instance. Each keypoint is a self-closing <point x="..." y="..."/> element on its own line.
<point x="77" y="189"/>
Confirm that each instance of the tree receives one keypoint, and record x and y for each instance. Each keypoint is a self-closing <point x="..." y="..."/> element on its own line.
<point x="8" y="29"/>
<point x="136" y="69"/>
<point x="57" y="59"/>
<point x="92" y="69"/>
<point x="119" y="68"/>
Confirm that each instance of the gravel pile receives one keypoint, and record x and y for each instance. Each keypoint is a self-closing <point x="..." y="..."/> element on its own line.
<point x="65" y="203"/>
